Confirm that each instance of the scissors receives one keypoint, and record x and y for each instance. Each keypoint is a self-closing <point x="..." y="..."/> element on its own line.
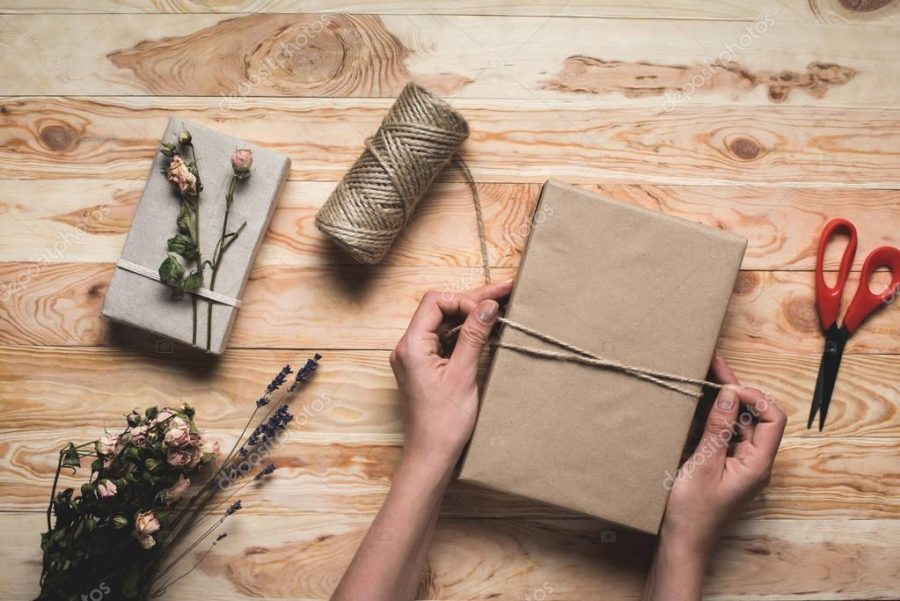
<point x="828" y="303"/>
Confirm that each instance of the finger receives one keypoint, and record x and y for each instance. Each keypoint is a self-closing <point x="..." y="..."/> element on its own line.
<point x="428" y="314"/>
<point x="721" y="371"/>
<point x="474" y="335"/>
<point x="719" y="427"/>
<point x="435" y="306"/>
<point x="493" y="291"/>
<point x="770" y="422"/>
<point x="470" y="299"/>
<point x="745" y="427"/>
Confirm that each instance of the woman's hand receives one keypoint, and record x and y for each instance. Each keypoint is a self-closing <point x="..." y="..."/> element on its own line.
<point x="441" y="393"/>
<point x="714" y="484"/>
<point x="441" y="404"/>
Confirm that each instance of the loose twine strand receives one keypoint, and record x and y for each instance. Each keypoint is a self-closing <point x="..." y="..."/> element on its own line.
<point x="419" y="137"/>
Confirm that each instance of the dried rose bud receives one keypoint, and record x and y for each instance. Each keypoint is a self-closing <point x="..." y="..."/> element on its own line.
<point x="167" y="149"/>
<point x="181" y="177"/>
<point x="184" y="138"/>
<point x="106" y="489"/>
<point x="119" y="521"/>
<point x="241" y="162"/>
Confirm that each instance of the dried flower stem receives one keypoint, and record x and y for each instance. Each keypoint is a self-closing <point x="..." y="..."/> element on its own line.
<point x="197" y="240"/>
<point x="225" y="240"/>
<point x="162" y="590"/>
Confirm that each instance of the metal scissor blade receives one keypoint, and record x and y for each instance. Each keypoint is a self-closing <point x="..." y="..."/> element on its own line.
<point x="820" y="385"/>
<point x="834" y="346"/>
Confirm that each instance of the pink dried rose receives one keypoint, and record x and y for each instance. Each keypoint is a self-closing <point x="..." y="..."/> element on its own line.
<point x="106" y="489"/>
<point x="139" y="435"/>
<point x="242" y="161"/>
<point x="177" y="490"/>
<point x="179" y="433"/>
<point x="181" y="177"/>
<point x="210" y="447"/>
<point x="180" y="458"/>
<point x="145" y="526"/>
<point x="163" y="415"/>
<point x="196" y="457"/>
<point x="209" y="450"/>
<point x="108" y="444"/>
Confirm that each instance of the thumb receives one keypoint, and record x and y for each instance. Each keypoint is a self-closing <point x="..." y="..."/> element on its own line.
<point x="474" y="335"/>
<point x="720" y="424"/>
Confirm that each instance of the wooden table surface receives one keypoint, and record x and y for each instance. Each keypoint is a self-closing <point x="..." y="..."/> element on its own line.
<point x="763" y="118"/>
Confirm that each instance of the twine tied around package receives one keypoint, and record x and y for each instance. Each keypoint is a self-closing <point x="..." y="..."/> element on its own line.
<point x="419" y="137"/>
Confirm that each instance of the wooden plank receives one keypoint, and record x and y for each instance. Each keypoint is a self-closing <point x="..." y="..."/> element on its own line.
<point x="353" y="395"/>
<point x="302" y="558"/>
<point x="332" y="474"/>
<point x="512" y="140"/>
<point x="46" y="221"/>
<point x="824" y="11"/>
<point x="604" y="61"/>
<point x="353" y="307"/>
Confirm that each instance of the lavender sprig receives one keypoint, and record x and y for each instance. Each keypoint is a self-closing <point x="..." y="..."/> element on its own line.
<point x="306" y="372"/>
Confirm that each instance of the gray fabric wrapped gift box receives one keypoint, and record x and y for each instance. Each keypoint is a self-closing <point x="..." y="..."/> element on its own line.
<point x="136" y="298"/>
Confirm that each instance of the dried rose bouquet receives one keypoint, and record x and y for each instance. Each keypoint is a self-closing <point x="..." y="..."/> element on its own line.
<point x="118" y="537"/>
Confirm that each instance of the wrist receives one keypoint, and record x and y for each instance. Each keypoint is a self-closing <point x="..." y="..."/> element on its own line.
<point x="686" y="556"/>
<point x="427" y="466"/>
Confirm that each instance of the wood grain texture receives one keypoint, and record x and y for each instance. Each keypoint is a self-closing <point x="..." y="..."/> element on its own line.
<point x="809" y="11"/>
<point x="45" y="222"/>
<point x="763" y="118"/>
<point x="361" y="400"/>
<point x="513" y="140"/>
<point x="347" y="307"/>
<point x="653" y="63"/>
<point x="302" y="558"/>
<point x="812" y="478"/>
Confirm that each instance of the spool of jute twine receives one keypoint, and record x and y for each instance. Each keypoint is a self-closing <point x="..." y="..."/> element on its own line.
<point x="420" y="136"/>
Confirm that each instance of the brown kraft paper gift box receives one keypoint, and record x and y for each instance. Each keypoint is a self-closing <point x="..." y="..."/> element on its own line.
<point x="145" y="303"/>
<point x="639" y="287"/>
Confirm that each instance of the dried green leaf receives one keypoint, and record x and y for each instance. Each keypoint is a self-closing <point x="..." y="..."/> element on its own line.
<point x="183" y="245"/>
<point x="186" y="222"/>
<point x="192" y="282"/>
<point x="70" y="457"/>
<point x="171" y="273"/>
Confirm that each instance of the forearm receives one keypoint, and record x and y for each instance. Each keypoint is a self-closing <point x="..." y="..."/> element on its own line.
<point x="676" y="575"/>
<point x="389" y="563"/>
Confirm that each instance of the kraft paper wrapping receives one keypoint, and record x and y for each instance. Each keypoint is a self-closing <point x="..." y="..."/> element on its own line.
<point x="144" y="303"/>
<point x="639" y="287"/>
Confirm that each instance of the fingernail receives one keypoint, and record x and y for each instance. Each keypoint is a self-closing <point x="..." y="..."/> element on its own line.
<point x="727" y="399"/>
<point x="487" y="311"/>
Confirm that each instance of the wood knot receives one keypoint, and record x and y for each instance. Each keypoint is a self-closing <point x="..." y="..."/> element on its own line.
<point x="801" y="314"/>
<point x="316" y="61"/>
<point x="744" y="148"/>
<point x="58" y="137"/>
<point x="864" y="6"/>
<point x="747" y="281"/>
<point x="96" y="291"/>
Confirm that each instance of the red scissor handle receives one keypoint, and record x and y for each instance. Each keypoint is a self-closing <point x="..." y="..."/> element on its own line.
<point x="828" y="300"/>
<point x="865" y="301"/>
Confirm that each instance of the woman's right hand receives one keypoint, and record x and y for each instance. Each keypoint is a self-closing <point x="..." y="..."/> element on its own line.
<point x="713" y="485"/>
